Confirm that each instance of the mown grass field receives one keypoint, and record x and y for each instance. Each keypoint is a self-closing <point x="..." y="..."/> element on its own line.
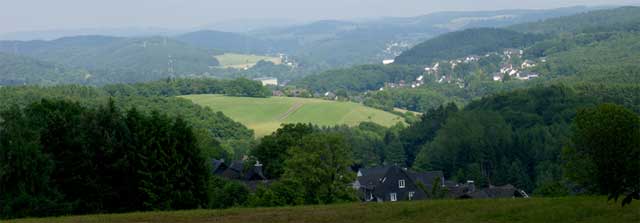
<point x="265" y="115"/>
<point x="575" y="209"/>
<point x="239" y="61"/>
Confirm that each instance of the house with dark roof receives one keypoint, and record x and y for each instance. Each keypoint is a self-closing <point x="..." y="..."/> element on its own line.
<point x="392" y="183"/>
<point x="250" y="175"/>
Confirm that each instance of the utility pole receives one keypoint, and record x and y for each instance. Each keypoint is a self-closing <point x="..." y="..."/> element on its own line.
<point x="170" y="69"/>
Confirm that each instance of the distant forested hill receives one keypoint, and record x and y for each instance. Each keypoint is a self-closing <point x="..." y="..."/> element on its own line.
<point x="327" y="44"/>
<point x="463" y="43"/>
<point x="20" y="70"/>
<point x="110" y="59"/>
<point x="625" y="18"/>
<point x="228" y="42"/>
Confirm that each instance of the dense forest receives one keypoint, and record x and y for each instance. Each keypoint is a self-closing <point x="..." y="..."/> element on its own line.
<point x="464" y="43"/>
<point x="60" y="157"/>
<point x="19" y="70"/>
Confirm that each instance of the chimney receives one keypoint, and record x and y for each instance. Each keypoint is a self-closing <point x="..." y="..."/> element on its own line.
<point x="258" y="168"/>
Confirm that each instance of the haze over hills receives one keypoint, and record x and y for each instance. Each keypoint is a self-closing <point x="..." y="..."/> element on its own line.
<point x="118" y="32"/>
<point x="500" y="106"/>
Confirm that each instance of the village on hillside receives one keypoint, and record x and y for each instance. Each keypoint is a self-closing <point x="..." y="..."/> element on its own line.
<point x="512" y="66"/>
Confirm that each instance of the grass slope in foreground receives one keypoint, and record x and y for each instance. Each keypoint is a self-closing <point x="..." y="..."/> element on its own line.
<point x="571" y="209"/>
<point x="239" y="61"/>
<point x="264" y="115"/>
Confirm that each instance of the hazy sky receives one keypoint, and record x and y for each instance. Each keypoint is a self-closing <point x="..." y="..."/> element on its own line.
<point x="24" y="15"/>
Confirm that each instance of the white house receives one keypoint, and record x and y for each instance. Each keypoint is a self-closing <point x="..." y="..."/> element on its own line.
<point x="387" y="62"/>
<point x="497" y="77"/>
<point x="527" y="64"/>
<point x="268" y="81"/>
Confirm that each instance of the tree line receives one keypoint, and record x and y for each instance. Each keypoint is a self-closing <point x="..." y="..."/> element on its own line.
<point x="59" y="157"/>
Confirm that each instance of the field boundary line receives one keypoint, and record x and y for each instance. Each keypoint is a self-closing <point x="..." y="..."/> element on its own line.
<point x="295" y="107"/>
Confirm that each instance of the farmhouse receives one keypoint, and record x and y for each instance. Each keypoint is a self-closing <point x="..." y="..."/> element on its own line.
<point x="392" y="183"/>
<point x="268" y="81"/>
<point x="387" y="62"/>
<point x="251" y="176"/>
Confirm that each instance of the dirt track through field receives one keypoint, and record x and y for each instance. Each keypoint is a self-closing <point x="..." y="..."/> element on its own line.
<point x="291" y="110"/>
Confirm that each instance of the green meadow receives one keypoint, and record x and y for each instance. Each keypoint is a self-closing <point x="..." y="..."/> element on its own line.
<point x="570" y="209"/>
<point x="265" y="115"/>
<point x="239" y="61"/>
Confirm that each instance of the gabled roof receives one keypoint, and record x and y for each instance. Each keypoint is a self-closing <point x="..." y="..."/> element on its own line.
<point x="372" y="176"/>
<point x="254" y="173"/>
<point x="218" y="166"/>
<point x="374" y="170"/>
<point x="234" y="171"/>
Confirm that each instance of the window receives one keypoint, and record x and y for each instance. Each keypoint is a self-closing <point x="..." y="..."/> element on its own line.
<point x="401" y="184"/>
<point x="393" y="197"/>
<point x="411" y="193"/>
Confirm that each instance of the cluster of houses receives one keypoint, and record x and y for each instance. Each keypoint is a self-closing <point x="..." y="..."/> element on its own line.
<point x="515" y="72"/>
<point x="507" y="69"/>
<point x="286" y="60"/>
<point x="419" y="81"/>
<point x="380" y="184"/>
<point x="392" y="183"/>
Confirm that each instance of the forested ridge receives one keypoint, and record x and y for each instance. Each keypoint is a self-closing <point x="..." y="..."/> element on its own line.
<point x="463" y="43"/>
<point x="108" y="60"/>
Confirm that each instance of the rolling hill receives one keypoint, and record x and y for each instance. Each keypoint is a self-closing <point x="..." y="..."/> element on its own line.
<point x="573" y="209"/>
<point x="467" y="42"/>
<point x="112" y="59"/>
<point x="623" y="18"/>
<point x="227" y="42"/>
<point x="265" y="115"/>
<point x="20" y="70"/>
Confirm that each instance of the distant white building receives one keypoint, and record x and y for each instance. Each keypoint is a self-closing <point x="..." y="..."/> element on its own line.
<point x="497" y="77"/>
<point x="268" y="81"/>
<point x="472" y="58"/>
<point x="387" y="62"/>
<point x="527" y="64"/>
